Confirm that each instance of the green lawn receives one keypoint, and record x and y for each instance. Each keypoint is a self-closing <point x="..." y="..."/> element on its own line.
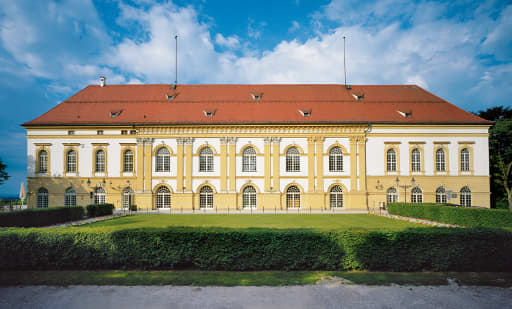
<point x="279" y="221"/>
<point x="249" y="278"/>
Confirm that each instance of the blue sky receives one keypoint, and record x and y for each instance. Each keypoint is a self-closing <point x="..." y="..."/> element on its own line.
<point x="459" y="50"/>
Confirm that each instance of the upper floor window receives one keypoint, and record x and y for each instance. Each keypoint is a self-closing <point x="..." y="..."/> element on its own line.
<point x="163" y="160"/>
<point x="391" y="195"/>
<point x="440" y="160"/>
<point x="99" y="132"/>
<point x="128" y="161"/>
<point x="441" y="195"/>
<point x="71" y="161"/>
<point x="124" y="132"/>
<point x="249" y="160"/>
<point x="465" y="197"/>
<point x="206" y="160"/>
<point x="416" y="160"/>
<point x="43" y="162"/>
<point x="416" y="195"/>
<point x="71" y="132"/>
<point x="391" y="160"/>
<point x="100" y="161"/>
<point x="42" y="198"/>
<point x="336" y="159"/>
<point x="464" y="160"/>
<point x="293" y="160"/>
<point x="70" y="197"/>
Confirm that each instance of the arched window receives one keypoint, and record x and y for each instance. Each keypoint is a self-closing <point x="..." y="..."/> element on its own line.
<point x="464" y="160"/>
<point x="71" y="161"/>
<point x="99" y="196"/>
<point x="100" y="161"/>
<point x="441" y="195"/>
<point x="249" y="197"/>
<point x="127" y="198"/>
<point x="206" y="198"/>
<point x="336" y="159"/>
<point x="128" y="161"/>
<point x="163" y="198"/>
<point x="292" y="160"/>
<point x="42" y="198"/>
<point x="416" y="195"/>
<point x="70" y="197"/>
<point x="391" y="195"/>
<point x="416" y="160"/>
<point x="249" y="160"/>
<point x="163" y="160"/>
<point x="336" y="197"/>
<point x="440" y="160"/>
<point x="465" y="197"/>
<point x="391" y="160"/>
<point x="43" y="162"/>
<point x="293" y="197"/>
<point x="206" y="160"/>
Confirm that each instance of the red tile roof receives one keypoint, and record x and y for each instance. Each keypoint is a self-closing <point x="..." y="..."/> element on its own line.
<point x="234" y="104"/>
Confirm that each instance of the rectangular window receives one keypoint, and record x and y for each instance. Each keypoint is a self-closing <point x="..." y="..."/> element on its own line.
<point x="71" y="132"/>
<point x="133" y="132"/>
<point x="99" y="132"/>
<point x="124" y="132"/>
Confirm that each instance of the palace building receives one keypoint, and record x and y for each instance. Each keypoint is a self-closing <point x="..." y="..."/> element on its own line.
<point x="256" y="147"/>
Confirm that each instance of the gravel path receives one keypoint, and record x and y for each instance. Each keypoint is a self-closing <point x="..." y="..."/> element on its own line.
<point x="326" y="295"/>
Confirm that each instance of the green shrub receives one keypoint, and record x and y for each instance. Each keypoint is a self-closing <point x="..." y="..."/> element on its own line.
<point x="41" y="216"/>
<point x="454" y="215"/>
<point x="98" y="210"/>
<point x="438" y="249"/>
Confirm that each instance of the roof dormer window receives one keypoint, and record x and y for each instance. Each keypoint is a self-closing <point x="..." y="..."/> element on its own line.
<point x="358" y="95"/>
<point x="405" y="114"/>
<point x="170" y="97"/>
<point x="114" y="114"/>
<point x="256" y="96"/>
<point x="305" y="112"/>
<point x="209" y="112"/>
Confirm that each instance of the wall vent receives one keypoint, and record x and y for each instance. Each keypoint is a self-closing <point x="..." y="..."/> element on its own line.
<point x="358" y="95"/>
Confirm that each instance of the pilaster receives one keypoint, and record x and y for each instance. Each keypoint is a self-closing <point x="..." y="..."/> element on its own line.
<point x="223" y="165"/>
<point x="188" y="141"/>
<point x="179" y="169"/>
<point x="353" y="164"/>
<point x="362" y="162"/>
<point x="320" y="164"/>
<point x="232" y="163"/>
<point x="275" y="159"/>
<point x="311" y="164"/>
<point x="267" y="163"/>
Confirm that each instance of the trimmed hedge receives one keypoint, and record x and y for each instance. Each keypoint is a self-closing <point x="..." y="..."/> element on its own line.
<point x="472" y="217"/>
<point x="98" y="210"/>
<point x="416" y="249"/>
<point x="41" y="216"/>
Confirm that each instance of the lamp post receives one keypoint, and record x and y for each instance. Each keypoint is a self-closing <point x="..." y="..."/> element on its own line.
<point x="405" y="187"/>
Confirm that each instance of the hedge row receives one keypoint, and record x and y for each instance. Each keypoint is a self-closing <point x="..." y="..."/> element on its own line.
<point x="41" y="216"/>
<point x="98" y="210"/>
<point x="437" y="249"/>
<point x="454" y="215"/>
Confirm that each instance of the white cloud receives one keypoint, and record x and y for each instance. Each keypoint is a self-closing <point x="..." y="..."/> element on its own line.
<point x="228" y="42"/>
<point x="255" y="29"/>
<point x="294" y="27"/>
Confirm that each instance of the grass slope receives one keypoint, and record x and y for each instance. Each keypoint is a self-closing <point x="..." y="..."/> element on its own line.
<point x="279" y="221"/>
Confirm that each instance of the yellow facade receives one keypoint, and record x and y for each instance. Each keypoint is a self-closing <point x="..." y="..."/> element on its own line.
<point x="365" y="191"/>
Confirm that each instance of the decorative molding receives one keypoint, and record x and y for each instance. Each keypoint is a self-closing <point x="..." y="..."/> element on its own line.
<point x="275" y="140"/>
<point x="467" y="142"/>
<point x="42" y="144"/>
<point x="441" y="143"/>
<point x="391" y="143"/>
<point x="71" y="144"/>
<point x="144" y="141"/>
<point x="127" y="144"/>
<point x="188" y="140"/>
<point x="417" y="143"/>
<point x="100" y="144"/>
<point x="265" y="129"/>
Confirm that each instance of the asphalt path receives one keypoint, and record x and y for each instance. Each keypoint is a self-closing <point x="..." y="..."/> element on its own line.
<point x="330" y="295"/>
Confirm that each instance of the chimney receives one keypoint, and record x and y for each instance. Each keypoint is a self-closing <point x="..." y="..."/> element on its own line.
<point x="103" y="80"/>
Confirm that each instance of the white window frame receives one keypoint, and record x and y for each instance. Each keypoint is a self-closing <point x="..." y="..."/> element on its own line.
<point x="206" y="160"/>
<point x="293" y="197"/>
<point x="128" y="161"/>
<point x="42" y="198"/>
<point x="100" y="196"/>
<point x="249" y="198"/>
<point x="163" y="198"/>
<point x="336" y="159"/>
<point x="465" y="160"/>
<point x="163" y="160"/>
<point x="293" y="160"/>
<point x="336" y="197"/>
<point x="249" y="160"/>
<point x="71" y="164"/>
<point x="441" y="196"/>
<point x="70" y="197"/>
<point x="391" y="160"/>
<point x="416" y="195"/>
<point x="465" y="197"/>
<point x="43" y="161"/>
<point x="206" y="198"/>
<point x="440" y="160"/>
<point x="100" y="156"/>
<point x="416" y="160"/>
<point x="391" y="195"/>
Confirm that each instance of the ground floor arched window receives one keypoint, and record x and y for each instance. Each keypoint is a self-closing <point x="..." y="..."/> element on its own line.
<point x="416" y="195"/>
<point x="127" y="198"/>
<point x="42" y="198"/>
<point x="70" y="198"/>
<point x="336" y="197"/>
<point x="391" y="195"/>
<point x="465" y="197"/>
<point x="441" y="195"/>
<point x="163" y="198"/>
<point x="99" y="196"/>
<point x="206" y="198"/>
<point x="293" y="197"/>
<point x="249" y="197"/>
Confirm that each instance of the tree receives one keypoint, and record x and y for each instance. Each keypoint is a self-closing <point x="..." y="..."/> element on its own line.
<point x="3" y="173"/>
<point x="500" y="152"/>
